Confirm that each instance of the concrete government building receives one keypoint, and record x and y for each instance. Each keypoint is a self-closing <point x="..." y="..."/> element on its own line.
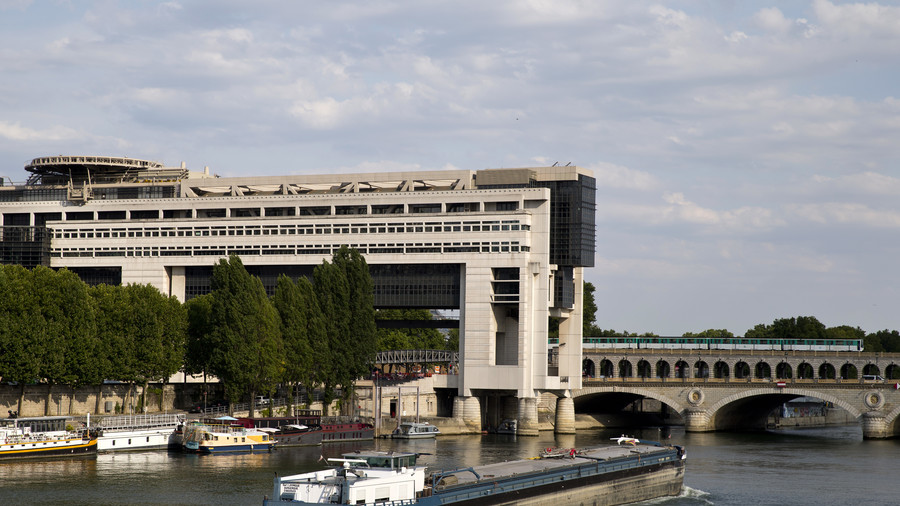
<point x="504" y="247"/>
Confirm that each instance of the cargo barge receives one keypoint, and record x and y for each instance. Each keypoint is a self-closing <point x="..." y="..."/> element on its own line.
<point x="608" y="475"/>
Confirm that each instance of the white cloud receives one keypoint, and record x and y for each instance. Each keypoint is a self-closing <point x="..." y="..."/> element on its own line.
<point x="609" y="175"/>
<point x="16" y="132"/>
<point x="847" y="213"/>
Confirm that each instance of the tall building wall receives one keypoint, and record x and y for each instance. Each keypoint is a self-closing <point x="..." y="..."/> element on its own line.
<point x="507" y="253"/>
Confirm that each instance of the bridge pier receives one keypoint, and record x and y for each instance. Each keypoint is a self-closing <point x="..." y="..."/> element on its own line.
<point x="565" y="415"/>
<point x="697" y="420"/>
<point x="874" y="425"/>
<point x="467" y="409"/>
<point x="527" y="422"/>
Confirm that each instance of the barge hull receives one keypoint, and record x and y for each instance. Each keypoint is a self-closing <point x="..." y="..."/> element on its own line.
<point x="608" y="489"/>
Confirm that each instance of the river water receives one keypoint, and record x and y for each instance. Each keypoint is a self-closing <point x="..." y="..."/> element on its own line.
<point x="829" y="466"/>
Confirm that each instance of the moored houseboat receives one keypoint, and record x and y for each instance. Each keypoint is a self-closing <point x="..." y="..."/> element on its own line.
<point x="414" y="430"/>
<point x="135" y="432"/>
<point x="326" y="429"/>
<point x="220" y="436"/>
<point x="609" y="475"/>
<point x="45" y="436"/>
<point x="288" y="430"/>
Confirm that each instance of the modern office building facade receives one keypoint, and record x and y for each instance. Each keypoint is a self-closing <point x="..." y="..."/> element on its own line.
<point x="504" y="247"/>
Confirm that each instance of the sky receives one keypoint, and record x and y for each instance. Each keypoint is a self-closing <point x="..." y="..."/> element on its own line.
<point x="746" y="152"/>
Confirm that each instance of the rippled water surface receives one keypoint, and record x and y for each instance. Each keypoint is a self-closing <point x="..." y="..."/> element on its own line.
<point x="832" y="466"/>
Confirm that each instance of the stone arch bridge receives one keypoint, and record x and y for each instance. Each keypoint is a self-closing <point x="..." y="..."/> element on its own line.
<point x="737" y="389"/>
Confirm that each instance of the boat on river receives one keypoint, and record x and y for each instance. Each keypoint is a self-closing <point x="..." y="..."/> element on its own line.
<point x="319" y="429"/>
<point x="288" y="430"/>
<point x="415" y="431"/>
<point x="617" y="474"/>
<point x="221" y="437"/>
<point x="45" y="436"/>
<point x="136" y="432"/>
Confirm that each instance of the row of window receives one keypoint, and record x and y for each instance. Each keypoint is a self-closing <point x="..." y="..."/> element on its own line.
<point x="304" y="249"/>
<point x="292" y="229"/>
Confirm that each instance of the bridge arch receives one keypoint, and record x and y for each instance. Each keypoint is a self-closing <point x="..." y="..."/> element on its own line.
<point x="588" y="368"/>
<point x="762" y="370"/>
<point x="826" y="371"/>
<point x="721" y="369"/>
<point x="701" y="369"/>
<point x="805" y="371"/>
<point x="749" y="409"/>
<point x="849" y="371"/>
<point x="643" y="369"/>
<point x="588" y="392"/>
<point x="682" y="369"/>
<point x="626" y="369"/>
<point x="783" y="371"/>
<point x="871" y="369"/>
<point x="741" y="370"/>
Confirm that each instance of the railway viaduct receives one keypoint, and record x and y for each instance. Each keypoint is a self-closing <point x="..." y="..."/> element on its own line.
<point x="737" y="389"/>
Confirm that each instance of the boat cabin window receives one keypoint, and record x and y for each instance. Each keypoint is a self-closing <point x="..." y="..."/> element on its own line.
<point x="389" y="462"/>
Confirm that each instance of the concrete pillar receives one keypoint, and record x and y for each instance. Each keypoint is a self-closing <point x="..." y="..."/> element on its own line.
<point x="697" y="420"/>
<point x="471" y="413"/>
<point x="527" y="423"/>
<point x="565" y="416"/>
<point x="458" y="408"/>
<point x="874" y="425"/>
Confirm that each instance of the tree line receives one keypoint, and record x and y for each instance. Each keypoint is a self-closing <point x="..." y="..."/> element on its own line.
<point x="800" y="327"/>
<point x="56" y="329"/>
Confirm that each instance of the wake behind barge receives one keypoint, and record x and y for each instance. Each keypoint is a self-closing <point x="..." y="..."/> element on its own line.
<point x="598" y="476"/>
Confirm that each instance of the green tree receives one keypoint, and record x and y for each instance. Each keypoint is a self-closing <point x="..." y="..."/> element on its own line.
<point x="245" y="338"/>
<point x="710" y="333"/>
<point x="69" y="329"/>
<point x="301" y="322"/>
<point x="589" y="316"/>
<point x="883" y="340"/>
<point x="159" y="332"/>
<point x="197" y="355"/>
<point x="333" y="292"/>
<point x="413" y="338"/>
<point x="20" y="342"/>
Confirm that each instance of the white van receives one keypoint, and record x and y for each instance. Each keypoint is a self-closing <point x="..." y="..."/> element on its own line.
<point x="872" y="377"/>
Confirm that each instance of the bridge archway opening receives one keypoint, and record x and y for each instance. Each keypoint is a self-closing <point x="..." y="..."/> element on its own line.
<point x="701" y="369"/>
<point x="625" y="369"/>
<point x="721" y="370"/>
<point x="741" y="370"/>
<point x="587" y="368"/>
<point x="749" y="413"/>
<point x="624" y="409"/>
<point x="871" y="369"/>
<point x="762" y="370"/>
<point x="644" y="369"/>
<point x="804" y="371"/>
<point x="766" y="411"/>
<point x="892" y="371"/>
<point x="606" y="370"/>
<point x="783" y="371"/>
<point x="662" y="369"/>
<point x="682" y="369"/>
<point x="848" y="371"/>
<point x="826" y="371"/>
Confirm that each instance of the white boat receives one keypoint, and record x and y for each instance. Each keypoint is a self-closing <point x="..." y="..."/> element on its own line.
<point x="138" y="432"/>
<point x="366" y="477"/>
<point x="415" y="430"/>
